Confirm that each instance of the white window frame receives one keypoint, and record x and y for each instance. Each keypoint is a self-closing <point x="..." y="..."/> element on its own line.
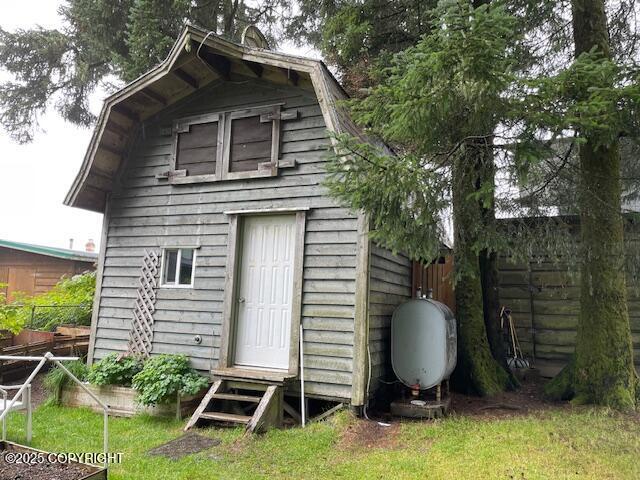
<point x="267" y="113"/>
<point x="163" y="284"/>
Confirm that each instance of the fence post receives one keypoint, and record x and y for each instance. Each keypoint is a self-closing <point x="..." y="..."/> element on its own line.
<point x="33" y="315"/>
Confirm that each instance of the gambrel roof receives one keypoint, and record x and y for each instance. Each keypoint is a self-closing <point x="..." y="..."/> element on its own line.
<point x="197" y="58"/>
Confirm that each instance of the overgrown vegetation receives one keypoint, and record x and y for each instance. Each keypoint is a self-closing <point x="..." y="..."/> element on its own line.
<point x="69" y="302"/>
<point x="585" y="444"/>
<point x="115" y="369"/>
<point x="157" y="379"/>
<point x="56" y="378"/>
<point x="164" y="376"/>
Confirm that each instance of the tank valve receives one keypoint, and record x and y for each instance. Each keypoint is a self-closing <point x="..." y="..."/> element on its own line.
<point x="415" y="389"/>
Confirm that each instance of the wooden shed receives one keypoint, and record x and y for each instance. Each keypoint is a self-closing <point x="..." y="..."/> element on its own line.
<point x="34" y="269"/>
<point x="220" y="239"/>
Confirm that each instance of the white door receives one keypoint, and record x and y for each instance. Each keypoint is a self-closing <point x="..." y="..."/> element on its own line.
<point x="263" y="322"/>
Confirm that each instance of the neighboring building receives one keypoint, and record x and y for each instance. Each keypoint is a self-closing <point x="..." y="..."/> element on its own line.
<point x="219" y="233"/>
<point x="34" y="269"/>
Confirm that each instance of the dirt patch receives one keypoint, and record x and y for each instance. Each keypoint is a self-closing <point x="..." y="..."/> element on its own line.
<point x="39" y="394"/>
<point x="367" y="434"/>
<point x="41" y="470"/>
<point x="527" y="399"/>
<point x="185" y="445"/>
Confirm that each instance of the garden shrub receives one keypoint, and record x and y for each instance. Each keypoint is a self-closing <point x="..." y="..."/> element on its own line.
<point x="115" y="369"/>
<point x="163" y="376"/>
<point x="51" y="308"/>
<point x="56" y="379"/>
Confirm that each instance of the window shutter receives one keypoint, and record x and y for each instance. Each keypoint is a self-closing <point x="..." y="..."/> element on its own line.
<point x="251" y="142"/>
<point x="197" y="149"/>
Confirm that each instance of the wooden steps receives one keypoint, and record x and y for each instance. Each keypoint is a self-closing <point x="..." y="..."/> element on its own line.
<point x="258" y="406"/>
<point x="225" y="417"/>
<point x="236" y="397"/>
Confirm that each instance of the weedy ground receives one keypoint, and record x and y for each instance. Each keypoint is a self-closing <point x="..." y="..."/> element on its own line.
<point x="551" y="443"/>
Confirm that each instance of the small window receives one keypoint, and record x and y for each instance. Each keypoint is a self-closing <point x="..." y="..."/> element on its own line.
<point x="178" y="267"/>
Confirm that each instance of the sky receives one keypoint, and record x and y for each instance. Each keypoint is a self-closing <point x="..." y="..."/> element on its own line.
<point x="35" y="178"/>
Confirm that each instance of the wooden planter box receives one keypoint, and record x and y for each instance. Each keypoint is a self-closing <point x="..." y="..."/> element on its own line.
<point x="122" y="401"/>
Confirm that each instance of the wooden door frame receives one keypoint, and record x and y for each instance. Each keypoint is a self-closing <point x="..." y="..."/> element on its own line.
<point x="232" y="275"/>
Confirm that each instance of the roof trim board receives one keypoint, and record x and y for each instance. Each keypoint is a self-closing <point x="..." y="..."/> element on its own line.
<point x="62" y="253"/>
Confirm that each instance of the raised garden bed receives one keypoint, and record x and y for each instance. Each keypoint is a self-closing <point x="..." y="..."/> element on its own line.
<point x="122" y="401"/>
<point x="37" y="465"/>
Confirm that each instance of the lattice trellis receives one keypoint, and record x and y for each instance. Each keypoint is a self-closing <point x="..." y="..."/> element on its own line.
<point x="141" y="333"/>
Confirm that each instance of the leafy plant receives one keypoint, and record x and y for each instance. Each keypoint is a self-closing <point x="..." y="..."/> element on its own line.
<point x="56" y="379"/>
<point x="164" y="376"/>
<point x="115" y="370"/>
<point x="69" y="302"/>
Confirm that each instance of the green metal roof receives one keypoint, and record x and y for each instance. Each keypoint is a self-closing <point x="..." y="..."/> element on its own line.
<point x="50" y="251"/>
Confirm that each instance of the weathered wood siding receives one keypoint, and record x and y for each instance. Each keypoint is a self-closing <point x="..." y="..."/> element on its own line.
<point x="147" y="213"/>
<point x="545" y="301"/>
<point x="389" y="286"/>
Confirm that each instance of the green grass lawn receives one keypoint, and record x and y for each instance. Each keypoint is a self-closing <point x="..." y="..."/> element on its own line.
<point x="554" y="444"/>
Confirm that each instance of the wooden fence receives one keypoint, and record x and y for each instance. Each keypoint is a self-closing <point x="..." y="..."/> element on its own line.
<point x="545" y="301"/>
<point x="66" y="341"/>
<point x="436" y="276"/>
<point x="544" y="298"/>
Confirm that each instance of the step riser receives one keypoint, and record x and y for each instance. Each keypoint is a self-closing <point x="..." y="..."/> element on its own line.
<point x="226" y="417"/>
<point x="267" y="412"/>
<point x="237" y="398"/>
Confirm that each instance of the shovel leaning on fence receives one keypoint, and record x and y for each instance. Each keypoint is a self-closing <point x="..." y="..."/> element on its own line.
<point x="516" y="358"/>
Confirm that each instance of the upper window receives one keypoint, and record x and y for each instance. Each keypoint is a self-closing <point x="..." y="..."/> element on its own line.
<point x="250" y="143"/>
<point x="197" y="150"/>
<point x="178" y="267"/>
<point x="228" y="145"/>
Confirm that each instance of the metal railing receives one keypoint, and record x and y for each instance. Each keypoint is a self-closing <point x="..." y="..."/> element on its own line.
<point x="49" y="357"/>
<point x="26" y="403"/>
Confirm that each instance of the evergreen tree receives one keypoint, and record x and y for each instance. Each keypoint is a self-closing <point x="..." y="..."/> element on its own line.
<point x="355" y="35"/>
<point x="440" y="103"/>
<point x="602" y="370"/>
<point x="104" y="42"/>
<point x="489" y="88"/>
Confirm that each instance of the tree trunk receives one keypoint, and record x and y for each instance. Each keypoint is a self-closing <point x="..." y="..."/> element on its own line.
<point x="477" y="371"/>
<point x="489" y="268"/>
<point x="602" y="371"/>
<point x="491" y="306"/>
